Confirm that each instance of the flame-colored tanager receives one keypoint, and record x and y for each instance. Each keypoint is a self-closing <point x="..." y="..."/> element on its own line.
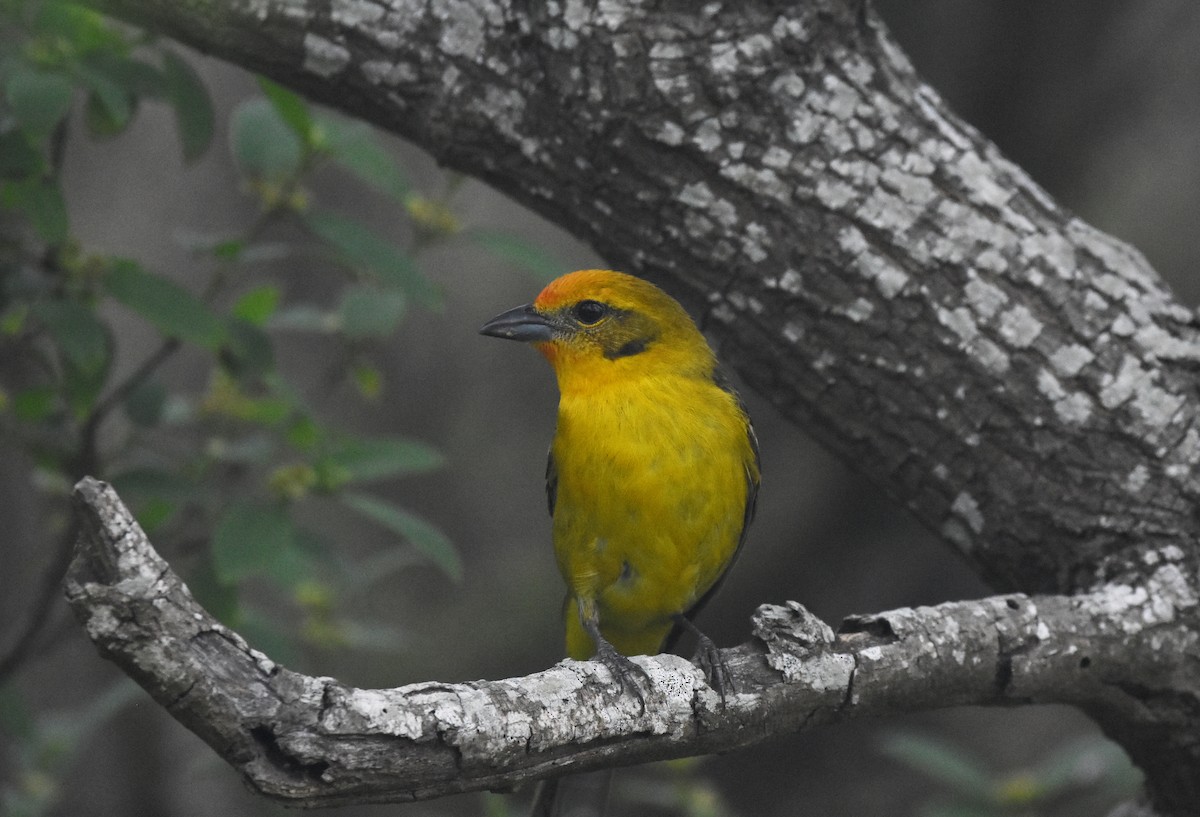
<point x="653" y="470"/>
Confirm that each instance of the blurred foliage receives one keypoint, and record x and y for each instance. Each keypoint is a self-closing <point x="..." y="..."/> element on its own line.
<point x="219" y="476"/>
<point x="43" y="747"/>
<point x="1090" y="770"/>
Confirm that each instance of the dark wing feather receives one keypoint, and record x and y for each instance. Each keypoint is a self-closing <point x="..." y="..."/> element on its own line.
<point x="552" y="480"/>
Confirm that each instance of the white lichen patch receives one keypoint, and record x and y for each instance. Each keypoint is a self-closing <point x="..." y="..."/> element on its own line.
<point x="1069" y="359"/>
<point x="989" y="354"/>
<point x="984" y="298"/>
<point x="834" y="194"/>
<point x="791" y="282"/>
<point x="755" y="242"/>
<point x="1071" y="407"/>
<point x="1056" y="250"/>
<point x="859" y="310"/>
<point x="356" y="13"/>
<point x="323" y="57"/>
<point x="917" y="190"/>
<point x="1019" y="327"/>
<point x="462" y="28"/>
<point x="1116" y="389"/>
<point x="1157" y="406"/>
<point x="1135" y="480"/>
<point x="708" y="135"/>
<point x="958" y="321"/>
<point x="697" y="194"/>
<point x="1162" y="345"/>
<point x="776" y="157"/>
<point x="723" y="58"/>
<point x="842" y="99"/>
<point x="788" y="83"/>
<point x="763" y="181"/>
<point x="967" y="508"/>
<point x="575" y="14"/>
<point x="851" y="240"/>
<point x="669" y="133"/>
<point x="391" y="74"/>
<point x="977" y="175"/>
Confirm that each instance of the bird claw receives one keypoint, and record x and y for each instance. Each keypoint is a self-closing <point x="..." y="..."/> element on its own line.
<point x="624" y="671"/>
<point x="712" y="663"/>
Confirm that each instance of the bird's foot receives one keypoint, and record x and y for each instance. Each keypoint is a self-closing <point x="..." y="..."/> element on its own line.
<point x="710" y="660"/>
<point x="624" y="671"/>
<point x="712" y="663"/>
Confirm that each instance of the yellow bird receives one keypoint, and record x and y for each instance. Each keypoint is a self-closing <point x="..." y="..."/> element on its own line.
<point x="653" y="471"/>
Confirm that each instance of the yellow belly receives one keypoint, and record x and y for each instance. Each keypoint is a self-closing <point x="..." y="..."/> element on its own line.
<point x="650" y="504"/>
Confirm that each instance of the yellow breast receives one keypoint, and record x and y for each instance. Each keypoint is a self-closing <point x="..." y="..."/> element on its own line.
<point x="651" y="497"/>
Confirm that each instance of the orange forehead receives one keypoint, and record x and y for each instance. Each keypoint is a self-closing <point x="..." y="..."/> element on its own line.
<point x="576" y="286"/>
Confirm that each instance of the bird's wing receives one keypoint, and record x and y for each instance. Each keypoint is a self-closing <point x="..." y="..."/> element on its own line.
<point x="552" y="480"/>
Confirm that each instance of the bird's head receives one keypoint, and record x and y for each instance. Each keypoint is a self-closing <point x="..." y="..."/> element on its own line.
<point x="594" y="325"/>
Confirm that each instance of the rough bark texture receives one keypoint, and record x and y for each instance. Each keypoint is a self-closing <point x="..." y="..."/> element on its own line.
<point x="313" y="741"/>
<point x="1023" y="382"/>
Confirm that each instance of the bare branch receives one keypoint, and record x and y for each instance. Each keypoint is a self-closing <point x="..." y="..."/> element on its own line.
<point x="312" y="741"/>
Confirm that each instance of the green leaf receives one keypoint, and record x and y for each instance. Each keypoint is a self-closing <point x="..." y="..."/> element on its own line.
<point x="370" y="458"/>
<point x="82" y="338"/>
<point x="304" y="433"/>
<point x="110" y="106"/>
<point x="517" y="251"/>
<point x="35" y="404"/>
<point x="353" y="146"/>
<point x="420" y="534"/>
<point x="152" y="514"/>
<point x="87" y="31"/>
<point x="249" y="538"/>
<point x="359" y="246"/>
<point x="189" y="98"/>
<point x="176" y="312"/>
<point x="290" y="107"/>
<point x="39" y="99"/>
<point x="368" y="311"/>
<point x="258" y="305"/>
<point x="82" y="387"/>
<point x="263" y="144"/>
<point x="105" y="121"/>
<point x="41" y="200"/>
<point x="144" y="405"/>
<point x="18" y="158"/>
<point x="941" y="762"/>
<point x="1089" y="757"/>
<point x="248" y="353"/>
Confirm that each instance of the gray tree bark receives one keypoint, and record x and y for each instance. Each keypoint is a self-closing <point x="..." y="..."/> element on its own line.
<point x="1024" y="383"/>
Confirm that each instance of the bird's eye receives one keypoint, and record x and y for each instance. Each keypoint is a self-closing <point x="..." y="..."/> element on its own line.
<point x="589" y="313"/>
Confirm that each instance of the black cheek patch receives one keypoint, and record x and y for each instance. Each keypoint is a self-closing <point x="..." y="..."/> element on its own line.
<point x="628" y="348"/>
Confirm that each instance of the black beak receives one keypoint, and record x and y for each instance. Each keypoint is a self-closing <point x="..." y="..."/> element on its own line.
<point x="523" y="323"/>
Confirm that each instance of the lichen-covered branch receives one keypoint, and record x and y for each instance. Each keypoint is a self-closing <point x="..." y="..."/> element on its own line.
<point x="313" y="741"/>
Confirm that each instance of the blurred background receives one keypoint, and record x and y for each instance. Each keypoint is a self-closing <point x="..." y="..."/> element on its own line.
<point x="445" y="571"/>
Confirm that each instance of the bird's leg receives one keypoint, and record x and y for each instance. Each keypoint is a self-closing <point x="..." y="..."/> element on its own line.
<point x="624" y="671"/>
<point x="708" y="657"/>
